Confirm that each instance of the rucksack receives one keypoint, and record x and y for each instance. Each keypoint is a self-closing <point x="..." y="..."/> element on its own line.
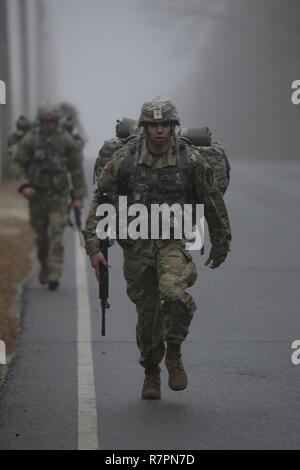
<point x="217" y="159"/>
<point x="106" y="152"/>
<point x="214" y="155"/>
<point x="201" y="138"/>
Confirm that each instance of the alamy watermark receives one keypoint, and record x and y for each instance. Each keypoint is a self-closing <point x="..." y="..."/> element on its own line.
<point x="162" y="222"/>
<point x="2" y="353"/>
<point x="2" y="92"/>
<point x="296" y="354"/>
<point x="296" y="94"/>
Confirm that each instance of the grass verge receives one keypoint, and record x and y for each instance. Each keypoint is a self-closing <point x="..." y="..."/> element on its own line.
<point x="16" y="245"/>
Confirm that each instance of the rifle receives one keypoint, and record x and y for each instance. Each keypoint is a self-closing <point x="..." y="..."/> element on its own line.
<point x="104" y="276"/>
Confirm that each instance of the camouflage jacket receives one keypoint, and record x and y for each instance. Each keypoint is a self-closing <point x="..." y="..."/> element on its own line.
<point x="13" y="141"/>
<point x="202" y="178"/>
<point x="46" y="163"/>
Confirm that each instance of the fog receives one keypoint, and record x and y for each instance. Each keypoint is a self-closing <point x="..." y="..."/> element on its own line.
<point x="110" y="57"/>
<point x="228" y="64"/>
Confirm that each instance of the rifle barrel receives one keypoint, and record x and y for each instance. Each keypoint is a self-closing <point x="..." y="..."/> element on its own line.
<point x="104" y="276"/>
<point x="103" y="319"/>
<point x="104" y="292"/>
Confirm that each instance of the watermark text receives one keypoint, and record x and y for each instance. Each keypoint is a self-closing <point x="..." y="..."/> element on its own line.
<point x="159" y="221"/>
<point x="2" y="353"/>
<point x="296" y="94"/>
<point x="296" y="354"/>
<point x="2" y="92"/>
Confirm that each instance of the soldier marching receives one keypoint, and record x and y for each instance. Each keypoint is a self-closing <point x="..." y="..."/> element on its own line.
<point x="47" y="165"/>
<point x="157" y="167"/>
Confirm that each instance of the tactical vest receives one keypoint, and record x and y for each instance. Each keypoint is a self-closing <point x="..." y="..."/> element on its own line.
<point x="167" y="185"/>
<point x="145" y="185"/>
<point x="48" y="166"/>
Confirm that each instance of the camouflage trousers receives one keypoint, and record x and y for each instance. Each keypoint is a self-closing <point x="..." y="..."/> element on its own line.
<point x="49" y="218"/>
<point x="157" y="274"/>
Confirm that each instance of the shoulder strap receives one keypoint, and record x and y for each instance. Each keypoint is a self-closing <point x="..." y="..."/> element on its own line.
<point x="129" y="162"/>
<point x="184" y="168"/>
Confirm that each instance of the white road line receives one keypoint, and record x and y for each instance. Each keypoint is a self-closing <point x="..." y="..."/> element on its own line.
<point x="87" y="407"/>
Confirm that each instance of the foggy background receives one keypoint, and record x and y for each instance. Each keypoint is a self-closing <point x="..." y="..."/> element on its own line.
<point x="228" y="64"/>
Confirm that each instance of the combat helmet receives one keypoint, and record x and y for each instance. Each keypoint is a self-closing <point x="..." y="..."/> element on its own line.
<point x="48" y="113"/>
<point x="23" y="124"/>
<point x="68" y="110"/>
<point x="159" y="109"/>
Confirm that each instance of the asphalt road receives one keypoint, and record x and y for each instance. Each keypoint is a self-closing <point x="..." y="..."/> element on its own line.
<point x="243" y="388"/>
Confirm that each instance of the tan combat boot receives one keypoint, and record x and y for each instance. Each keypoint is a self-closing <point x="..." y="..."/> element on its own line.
<point x="43" y="275"/>
<point x="177" y="376"/>
<point x="151" y="387"/>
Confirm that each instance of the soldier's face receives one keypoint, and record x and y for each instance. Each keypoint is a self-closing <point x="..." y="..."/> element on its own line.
<point x="49" y="127"/>
<point x="159" y="133"/>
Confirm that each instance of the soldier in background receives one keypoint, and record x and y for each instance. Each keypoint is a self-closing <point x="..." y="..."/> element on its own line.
<point x="68" y="125"/>
<point x="47" y="165"/>
<point x="71" y="123"/>
<point x="23" y="125"/>
<point x="159" y="168"/>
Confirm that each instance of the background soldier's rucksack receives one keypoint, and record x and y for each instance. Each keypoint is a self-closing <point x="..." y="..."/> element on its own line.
<point x="106" y="152"/>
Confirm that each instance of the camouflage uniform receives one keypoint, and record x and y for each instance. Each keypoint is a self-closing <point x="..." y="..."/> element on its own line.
<point x="23" y="126"/>
<point x="68" y="125"/>
<point x="71" y="123"/>
<point x="48" y="164"/>
<point x="158" y="272"/>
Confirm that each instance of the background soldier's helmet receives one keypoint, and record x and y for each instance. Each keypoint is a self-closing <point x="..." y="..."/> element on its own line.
<point x="68" y="110"/>
<point x="125" y="128"/>
<point x="49" y="113"/>
<point x="159" y="109"/>
<point x="23" y="124"/>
